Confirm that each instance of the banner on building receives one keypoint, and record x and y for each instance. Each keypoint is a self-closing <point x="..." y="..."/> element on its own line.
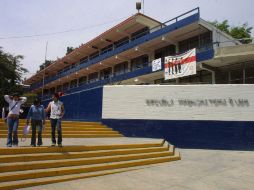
<point x="156" y="65"/>
<point x="180" y="65"/>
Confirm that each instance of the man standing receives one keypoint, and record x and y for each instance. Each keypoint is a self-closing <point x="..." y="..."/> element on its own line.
<point x="56" y="109"/>
<point x="37" y="115"/>
<point x="15" y="101"/>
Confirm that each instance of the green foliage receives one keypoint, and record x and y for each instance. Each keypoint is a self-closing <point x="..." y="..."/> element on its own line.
<point x="238" y="32"/>
<point x="30" y="98"/>
<point x="11" y="71"/>
<point x="223" y="26"/>
<point x="69" y="50"/>
<point x="45" y="64"/>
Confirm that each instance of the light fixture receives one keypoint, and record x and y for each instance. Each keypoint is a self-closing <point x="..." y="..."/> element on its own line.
<point x="138" y="6"/>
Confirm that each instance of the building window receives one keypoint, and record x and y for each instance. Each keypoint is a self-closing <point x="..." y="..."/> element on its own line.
<point x="201" y="41"/>
<point x="139" y="62"/>
<point x="165" y="51"/>
<point x="93" y="77"/>
<point x="121" y="68"/>
<point x="140" y="33"/>
<point x="106" y="73"/>
<point x="107" y="49"/>
<point x="65" y="86"/>
<point x="121" y="42"/>
<point x="83" y="60"/>
<point x="52" y="90"/>
<point x="74" y="83"/>
<point x="59" y="88"/>
<point x="94" y="55"/>
<point x="82" y="80"/>
<point x="249" y="74"/>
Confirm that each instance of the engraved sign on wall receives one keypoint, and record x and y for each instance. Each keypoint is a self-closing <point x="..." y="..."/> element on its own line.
<point x="180" y="65"/>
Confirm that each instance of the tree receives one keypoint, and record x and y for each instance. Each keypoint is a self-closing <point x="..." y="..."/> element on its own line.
<point x="45" y="64"/>
<point x="241" y="32"/>
<point x="69" y="50"/>
<point x="238" y="32"/>
<point x="11" y="72"/>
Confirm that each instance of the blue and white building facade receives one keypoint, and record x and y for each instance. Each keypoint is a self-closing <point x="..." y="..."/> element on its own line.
<point x="123" y="56"/>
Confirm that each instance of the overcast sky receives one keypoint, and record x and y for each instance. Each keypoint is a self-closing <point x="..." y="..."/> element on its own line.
<point x="32" y="17"/>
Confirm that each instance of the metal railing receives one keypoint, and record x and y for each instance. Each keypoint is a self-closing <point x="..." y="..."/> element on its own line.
<point x="128" y="44"/>
<point x="116" y="78"/>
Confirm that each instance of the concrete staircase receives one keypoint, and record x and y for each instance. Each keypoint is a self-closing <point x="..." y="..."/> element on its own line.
<point x="22" y="167"/>
<point x="70" y="130"/>
<point x="27" y="166"/>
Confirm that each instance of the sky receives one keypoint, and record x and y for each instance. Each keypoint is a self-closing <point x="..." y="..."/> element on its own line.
<point x="91" y="18"/>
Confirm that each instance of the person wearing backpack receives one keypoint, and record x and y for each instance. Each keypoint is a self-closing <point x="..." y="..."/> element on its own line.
<point x="14" y="101"/>
<point x="36" y="114"/>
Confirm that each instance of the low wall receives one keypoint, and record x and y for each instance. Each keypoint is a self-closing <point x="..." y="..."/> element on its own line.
<point x="82" y="106"/>
<point x="193" y="116"/>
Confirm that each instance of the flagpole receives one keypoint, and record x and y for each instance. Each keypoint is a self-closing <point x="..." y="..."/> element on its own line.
<point x="43" y="77"/>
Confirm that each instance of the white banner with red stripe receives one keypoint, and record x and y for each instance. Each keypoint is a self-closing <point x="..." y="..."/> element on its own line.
<point x="181" y="65"/>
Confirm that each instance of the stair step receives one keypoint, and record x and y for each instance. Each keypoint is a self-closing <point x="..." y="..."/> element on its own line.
<point x="48" y="132"/>
<point x="34" y="165"/>
<point x="39" y="173"/>
<point x="63" y="122"/>
<point x="67" y="129"/>
<point x="73" y="135"/>
<point x="56" y="179"/>
<point x="66" y="149"/>
<point x="64" y="126"/>
<point x="82" y="154"/>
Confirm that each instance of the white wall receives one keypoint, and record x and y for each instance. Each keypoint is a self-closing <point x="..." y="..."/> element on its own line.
<point x="179" y="102"/>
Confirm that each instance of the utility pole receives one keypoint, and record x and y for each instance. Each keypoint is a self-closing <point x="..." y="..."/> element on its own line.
<point x="43" y="77"/>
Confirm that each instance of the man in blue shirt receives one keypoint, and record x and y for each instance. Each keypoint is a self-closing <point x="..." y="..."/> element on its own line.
<point x="37" y="115"/>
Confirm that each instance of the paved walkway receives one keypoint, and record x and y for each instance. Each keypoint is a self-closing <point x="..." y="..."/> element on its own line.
<point x="198" y="170"/>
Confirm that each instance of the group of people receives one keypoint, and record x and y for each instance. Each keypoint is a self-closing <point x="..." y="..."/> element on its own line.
<point x="36" y="116"/>
<point x="175" y="66"/>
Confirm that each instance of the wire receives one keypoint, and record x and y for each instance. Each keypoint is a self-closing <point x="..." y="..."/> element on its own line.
<point x="60" y="32"/>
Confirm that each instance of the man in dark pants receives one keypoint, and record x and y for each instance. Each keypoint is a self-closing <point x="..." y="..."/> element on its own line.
<point x="37" y="115"/>
<point x="56" y="109"/>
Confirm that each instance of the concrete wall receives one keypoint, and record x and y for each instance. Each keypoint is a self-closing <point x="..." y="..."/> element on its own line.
<point x="84" y="105"/>
<point x="193" y="116"/>
<point x="179" y="102"/>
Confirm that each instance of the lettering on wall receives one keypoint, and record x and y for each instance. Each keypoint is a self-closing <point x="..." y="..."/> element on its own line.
<point x="179" y="102"/>
<point x="198" y="102"/>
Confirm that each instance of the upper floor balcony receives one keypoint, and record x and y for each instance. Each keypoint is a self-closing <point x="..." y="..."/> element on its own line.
<point x="125" y="77"/>
<point x="172" y="31"/>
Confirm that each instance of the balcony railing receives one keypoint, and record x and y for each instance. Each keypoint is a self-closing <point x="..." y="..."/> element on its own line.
<point x="166" y="27"/>
<point x="202" y="54"/>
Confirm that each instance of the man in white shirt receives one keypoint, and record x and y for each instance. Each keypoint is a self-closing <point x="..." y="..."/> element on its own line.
<point x="56" y="109"/>
<point x="13" y="117"/>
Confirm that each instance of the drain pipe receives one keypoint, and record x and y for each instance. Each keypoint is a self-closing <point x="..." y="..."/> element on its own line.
<point x="210" y="69"/>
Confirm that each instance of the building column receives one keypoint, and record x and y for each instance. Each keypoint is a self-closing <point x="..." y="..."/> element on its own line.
<point x="229" y="77"/>
<point x="129" y="66"/>
<point x="210" y="69"/>
<point x="177" y="52"/>
<point x="150" y="58"/>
